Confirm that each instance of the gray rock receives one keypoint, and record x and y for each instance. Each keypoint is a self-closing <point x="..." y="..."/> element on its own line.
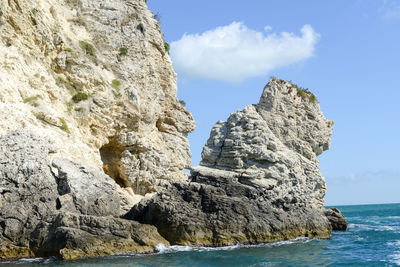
<point x="29" y="190"/>
<point x="92" y="192"/>
<point x="218" y="211"/>
<point x="72" y="236"/>
<point x="70" y="213"/>
<point x="246" y="145"/>
<point x="337" y="220"/>
<point x="258" y="180"/>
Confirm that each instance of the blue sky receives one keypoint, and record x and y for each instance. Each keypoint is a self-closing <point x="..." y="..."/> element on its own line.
<point x="350" y="59"/>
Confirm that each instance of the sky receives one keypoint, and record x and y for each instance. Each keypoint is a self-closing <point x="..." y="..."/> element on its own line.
<point x="347" y="52"/>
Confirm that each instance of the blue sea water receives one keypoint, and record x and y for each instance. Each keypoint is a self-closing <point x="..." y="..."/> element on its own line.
<point x="373" y="239"/>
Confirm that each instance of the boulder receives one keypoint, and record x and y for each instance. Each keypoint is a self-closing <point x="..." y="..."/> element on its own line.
<point x="336" y="219"/>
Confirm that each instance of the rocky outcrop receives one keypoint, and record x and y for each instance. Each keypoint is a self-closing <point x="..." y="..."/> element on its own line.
<point x="90" y="124"/>
<point x="28" y="190"/>
<point x="294" y="116"/>
<point x="67" y="210"/>
<point x="96" y="78"/>
<point x="337" y="220"/>
<point x="258" y="180"/>
<point x="221" y="208"/>
<point x="73" y="236"/>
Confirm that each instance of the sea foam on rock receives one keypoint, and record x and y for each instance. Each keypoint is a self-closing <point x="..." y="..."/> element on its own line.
<point x="258" y="180"/>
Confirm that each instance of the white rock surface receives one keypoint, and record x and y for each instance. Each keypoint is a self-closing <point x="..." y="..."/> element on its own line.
<point x="50" y="50"/>
<point x="274" y="144"/>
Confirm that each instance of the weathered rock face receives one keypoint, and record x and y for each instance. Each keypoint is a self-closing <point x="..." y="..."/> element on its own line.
<point x="90" y="125"/>
<point x="95" y="77"/>
<point x="28" y="190"/>
<point x="294" y="116"/>
<point x="258" y="181"/>
<point x="93" y="81"/>
<point x="253" y="143"/>
<point x="71" y="211"/>
<point x="73" y="236"/>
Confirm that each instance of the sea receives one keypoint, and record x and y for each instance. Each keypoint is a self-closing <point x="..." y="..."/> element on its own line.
<point x="373" y="239"/>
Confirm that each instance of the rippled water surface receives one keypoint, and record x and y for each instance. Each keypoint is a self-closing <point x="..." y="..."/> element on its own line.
<point x="373" y="239"/>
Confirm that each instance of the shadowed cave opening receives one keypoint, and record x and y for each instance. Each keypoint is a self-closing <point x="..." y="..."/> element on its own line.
<point x="111" y="156"/>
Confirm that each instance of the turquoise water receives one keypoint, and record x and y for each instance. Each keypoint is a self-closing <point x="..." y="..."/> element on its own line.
<point x="373" y="239"/>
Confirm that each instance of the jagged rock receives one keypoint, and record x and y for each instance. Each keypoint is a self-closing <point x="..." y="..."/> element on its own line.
<point x="337" y="220"/>
<point x="225" y="209"/>
<point x="70" y="213"/>
<point x="293" y="115"/>
<point x="94" y="83"/>
<point x="27" y="188"/>
<point x="254" y="183"/>
<point x="52" y="50"/>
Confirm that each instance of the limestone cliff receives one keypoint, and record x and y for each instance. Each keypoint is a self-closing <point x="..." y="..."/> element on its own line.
<point x="95" y="77"/>
<point x="93" y="143"/>
<point x="258" y="180"/>
<point x="86" y="87"/>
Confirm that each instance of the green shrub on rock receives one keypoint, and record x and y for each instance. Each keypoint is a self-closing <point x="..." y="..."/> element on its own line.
<point x="115" y="84"/>
<point x="123" y="51"/>
<point x="32" y="100"/>
<point x="166" y="46"/>
<point x="64" y="125"/>
<point x="80" y="96"/>
<point x="88" y="48"/>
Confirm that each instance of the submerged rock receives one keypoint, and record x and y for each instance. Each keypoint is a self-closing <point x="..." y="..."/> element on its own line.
<point x="258" y="180"/>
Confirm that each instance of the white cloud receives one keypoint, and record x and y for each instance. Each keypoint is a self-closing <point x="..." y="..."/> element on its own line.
<point x="234" y="53"/>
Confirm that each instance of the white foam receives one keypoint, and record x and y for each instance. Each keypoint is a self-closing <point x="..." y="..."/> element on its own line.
<point x="395" y="258"/>
<point x="378" y="228"/>
<point x="160" y="248"/>
<point x="24" y="261"/>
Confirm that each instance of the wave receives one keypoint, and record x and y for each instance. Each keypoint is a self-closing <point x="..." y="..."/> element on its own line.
<point x="395" y="258"/>
<point x="22" y="261"/>
<point x="377" y="228"/>
<point x="160" y="248"/>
